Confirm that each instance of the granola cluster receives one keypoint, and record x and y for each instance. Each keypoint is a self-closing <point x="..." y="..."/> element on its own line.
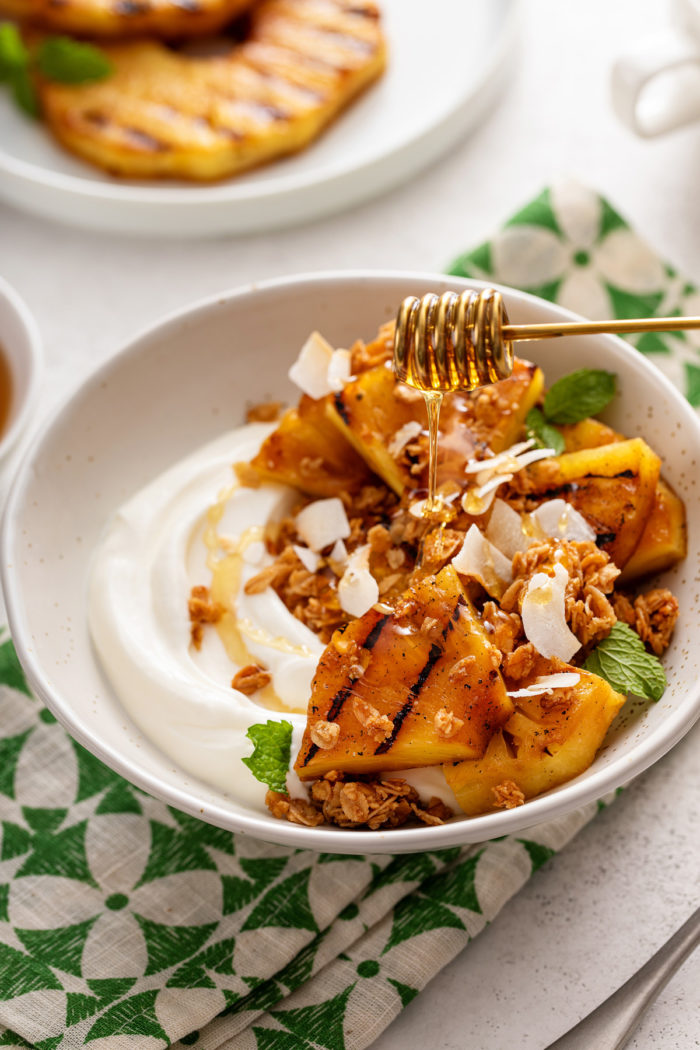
<point x="380" y="803"/>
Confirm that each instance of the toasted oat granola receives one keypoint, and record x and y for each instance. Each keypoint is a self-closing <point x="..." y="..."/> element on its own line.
<point x="250" y="679"/>
<point x="374" y="803"/>
<point x="202" y="611"/>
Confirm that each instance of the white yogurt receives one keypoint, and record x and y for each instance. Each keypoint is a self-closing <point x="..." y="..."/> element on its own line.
<point x="159" y="545"/>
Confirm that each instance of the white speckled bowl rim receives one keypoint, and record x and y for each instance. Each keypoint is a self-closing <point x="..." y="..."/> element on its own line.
<point x="185" y="381"/>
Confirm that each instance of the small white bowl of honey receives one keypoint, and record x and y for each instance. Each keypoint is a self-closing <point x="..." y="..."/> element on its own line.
<point x="20" y="365"/>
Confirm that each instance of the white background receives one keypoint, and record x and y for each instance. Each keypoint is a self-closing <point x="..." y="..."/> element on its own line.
<point x="586" y="921"/>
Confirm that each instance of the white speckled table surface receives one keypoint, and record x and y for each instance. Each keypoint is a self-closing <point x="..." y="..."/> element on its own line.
<point x="587" y="920"/>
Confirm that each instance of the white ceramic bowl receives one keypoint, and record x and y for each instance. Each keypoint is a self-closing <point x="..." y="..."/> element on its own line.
<point x="186" y="381"/>
<point x="21" y="347"/>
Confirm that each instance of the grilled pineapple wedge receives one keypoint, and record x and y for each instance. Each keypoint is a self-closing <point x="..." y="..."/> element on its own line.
<point x="547" y="741"/>
<point x="413" y="688"/>
<point x="307" y="451"/>
<point x="614" y="486"/>
<point x="664" y="540"/>
<point x="165" y="19"/>
<point x="369" y="414"/>
<point x="164" y="114"/>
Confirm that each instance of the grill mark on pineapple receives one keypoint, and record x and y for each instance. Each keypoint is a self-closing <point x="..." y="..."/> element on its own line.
<point x="342" y="695"/>
<point x="341" y="409"/>
<point x="131" y="7"/>
<point x="146" y="142"/>
<point x="436" y="652"/>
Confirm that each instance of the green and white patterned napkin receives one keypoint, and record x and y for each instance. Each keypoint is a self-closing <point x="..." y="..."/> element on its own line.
<point x="126" y="925"/>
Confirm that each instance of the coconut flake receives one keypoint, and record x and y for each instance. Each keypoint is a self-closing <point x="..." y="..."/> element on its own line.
<point x="357" y="588"/>
<point x="403" y="435"/>
<point x="484" y="562"/>
<point x="561" y="521"/>
<point x="505" y="529"/>
<point x="475" y="466"/>
<point x="532" y="457"/>
<point x="311" y="368"/>
<point x="322" y="523"/>
<point x="546" y="683"/>
<point x="339" y="370"/>
<point x="543" y="615"/>
<point x="309" y="559"/>
<point x="339" y="552"/>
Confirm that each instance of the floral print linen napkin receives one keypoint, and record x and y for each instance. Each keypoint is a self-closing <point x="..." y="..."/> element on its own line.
<point x="126" y="925"/>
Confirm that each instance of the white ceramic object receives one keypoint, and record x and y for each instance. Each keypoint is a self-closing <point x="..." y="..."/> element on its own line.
<point x="21" y="346"/>
<point x="656" y="84"/>
<point x="188" y="380"/>
<point x="447" y="63"/>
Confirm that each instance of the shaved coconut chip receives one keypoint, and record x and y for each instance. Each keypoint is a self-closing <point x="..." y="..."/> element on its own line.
<point x="484" y="562"/>
<point x="357" y="588"/>
<point x="505" y="529"/>
<point x="546" y="683"/>
<point x="476" y="502"/>
<point x="403" y="435"/>
<point x="475" y="466"/>
<point x="543" y="616"/>
<point x="493" y="484"/>
<point x="339" y="369"/>
<point x="339" y="552"/>
<point x="322" y="523"/>
<point x="310" y="370"/>
<point x="532" y="457"/>
<point x="309" y="559"/>
<point x="561" y="521"/>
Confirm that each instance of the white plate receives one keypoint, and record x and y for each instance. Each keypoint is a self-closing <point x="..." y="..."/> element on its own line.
<point x="185" y="382"/>
<point x="447" y="62"/>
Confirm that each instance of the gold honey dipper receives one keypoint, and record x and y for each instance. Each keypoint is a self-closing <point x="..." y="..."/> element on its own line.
<point x="463" y="341"/>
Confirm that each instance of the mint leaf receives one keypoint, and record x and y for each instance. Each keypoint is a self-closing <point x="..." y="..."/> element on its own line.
<point x="538" y="430"/>
<point x="624" y="663"/>
<point x="13" y="53"/>
<point x="70" y="61"/>
<point x="578" y="395"/>
<point x="273" y="748"/>
<point x="24" y="92"/>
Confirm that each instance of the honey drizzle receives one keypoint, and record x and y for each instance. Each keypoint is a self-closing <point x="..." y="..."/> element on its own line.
<point x="433" y="404"/>
<point x="225" y="561"/>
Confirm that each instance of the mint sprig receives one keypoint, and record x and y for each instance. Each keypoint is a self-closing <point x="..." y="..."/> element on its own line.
<point x="624" y="663"/>
<point x="537" y="429"/>
<point x="13" y="53"/>
<point x="273" y="748"/>
<point x="56" y="58"/>
<point x="70" y="61"/>
<point x="579" y="395"/>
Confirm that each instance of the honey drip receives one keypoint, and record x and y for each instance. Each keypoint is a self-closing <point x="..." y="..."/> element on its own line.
<point x="433" y="403"/>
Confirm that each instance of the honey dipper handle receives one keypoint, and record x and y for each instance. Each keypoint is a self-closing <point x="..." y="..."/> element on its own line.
<point x="638" y="324"/>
